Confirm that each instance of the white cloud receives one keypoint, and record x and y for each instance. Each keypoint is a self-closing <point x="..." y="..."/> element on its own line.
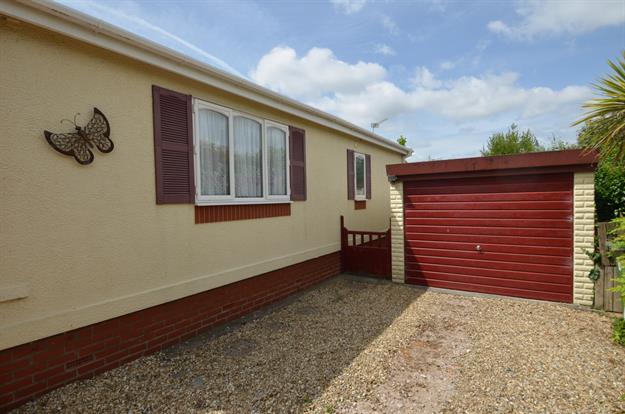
<point x="375" y="101"/>
<point x="461" y="99"/>
<point x="497" y="26"/>
<point x="438" y="5"/>
<point x="554" y="17"/>
<point x="390" y="25"/>
<point x="471" y="97"/>
<point x="471" y="58"/>
<point x="425" y="79"/>
<point x="313" y="75"/>
<point x="447" y="65"/>
<point x="361" y="91"/>
<point x="383" y="49"/>
<point x="349" y="6"/>
<point x="442" y="117"/>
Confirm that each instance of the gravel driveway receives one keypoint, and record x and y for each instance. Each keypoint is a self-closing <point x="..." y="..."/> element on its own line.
<point x="354" y="346"/>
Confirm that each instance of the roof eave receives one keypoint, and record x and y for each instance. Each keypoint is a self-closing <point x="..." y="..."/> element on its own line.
<point x="80" y="26"/>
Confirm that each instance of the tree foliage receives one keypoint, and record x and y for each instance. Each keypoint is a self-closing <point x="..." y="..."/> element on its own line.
<point x="557" y="144"/>
<point x="402" y="140"/>
<point x="606" y="114"/>
<point x="512" y="141"/>
<point x="609" y="176"/>
<point x="604" y="130"/>
<point x="610" y="190"/>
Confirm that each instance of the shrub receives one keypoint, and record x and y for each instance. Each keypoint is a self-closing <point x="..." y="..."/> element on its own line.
<point x="610" y="190"/>
<point x="618" y="331"/>
<point x="609" y="177"/>
<point x="618" y="251"/>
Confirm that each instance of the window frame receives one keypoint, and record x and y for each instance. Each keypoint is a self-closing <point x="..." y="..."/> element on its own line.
<point x="287" y="166"/>
<point x="231" y="199"/>
<point x="200" y="199"/>
<point x="364" y="176"/>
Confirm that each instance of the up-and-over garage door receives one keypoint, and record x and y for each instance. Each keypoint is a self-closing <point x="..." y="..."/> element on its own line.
<point x="507" y="235"/>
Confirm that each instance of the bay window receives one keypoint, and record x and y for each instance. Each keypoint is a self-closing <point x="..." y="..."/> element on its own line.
<point x="239" y="158"/>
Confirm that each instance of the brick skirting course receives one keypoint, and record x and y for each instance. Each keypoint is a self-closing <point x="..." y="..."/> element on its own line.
<point x="213" y="214"/>
<point x="29" y="370"/>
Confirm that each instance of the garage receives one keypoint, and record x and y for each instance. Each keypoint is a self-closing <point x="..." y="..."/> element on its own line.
<point x="500" y="225"/>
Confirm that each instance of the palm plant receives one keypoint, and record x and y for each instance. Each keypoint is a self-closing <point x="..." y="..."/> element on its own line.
<point x="604" y="130"/>
<point x="605" y="115"/>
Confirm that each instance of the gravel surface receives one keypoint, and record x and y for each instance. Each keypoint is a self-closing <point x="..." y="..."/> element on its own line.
<point x="354" y="346"/>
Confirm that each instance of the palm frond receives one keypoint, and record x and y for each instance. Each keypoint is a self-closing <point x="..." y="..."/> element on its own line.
<point x="606" y="113"/>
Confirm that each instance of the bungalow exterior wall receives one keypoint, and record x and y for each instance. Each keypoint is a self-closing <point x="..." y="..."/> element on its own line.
<point x="84" y="244"/>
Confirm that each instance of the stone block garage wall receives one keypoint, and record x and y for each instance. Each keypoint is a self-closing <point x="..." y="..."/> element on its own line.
<point x="397" y="231"/>
<point x="31" y="369"/>
<point x="584" y="236"/>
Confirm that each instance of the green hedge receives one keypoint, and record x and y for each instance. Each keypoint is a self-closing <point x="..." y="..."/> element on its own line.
<point x="610" y="191"/>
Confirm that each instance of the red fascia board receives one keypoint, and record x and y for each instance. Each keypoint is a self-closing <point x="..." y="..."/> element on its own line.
<point x="567" y="158"/>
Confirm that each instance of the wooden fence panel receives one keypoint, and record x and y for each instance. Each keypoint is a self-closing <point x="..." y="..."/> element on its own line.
<point x="603" y="238"/>
<point x="605" y="299"/>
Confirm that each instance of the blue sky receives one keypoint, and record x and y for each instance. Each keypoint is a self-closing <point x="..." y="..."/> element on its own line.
<point x="446" y="74"/>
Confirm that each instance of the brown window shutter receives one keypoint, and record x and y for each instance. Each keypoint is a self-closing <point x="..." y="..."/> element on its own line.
<point x="173" y="147"/>
<point x="350" y="175"/>
<point x="297" y="160"/>
<point x="368" y="175"/>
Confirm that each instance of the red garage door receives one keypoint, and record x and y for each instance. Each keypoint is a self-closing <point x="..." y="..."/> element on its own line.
<point x="509" y="235"/>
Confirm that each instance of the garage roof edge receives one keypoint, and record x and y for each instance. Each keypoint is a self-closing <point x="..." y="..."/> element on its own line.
<point x="567" y="159"/>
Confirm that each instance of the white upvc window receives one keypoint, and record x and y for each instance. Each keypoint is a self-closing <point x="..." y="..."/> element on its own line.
<point x="360" y="182"/>
<point x="239" y="158"/>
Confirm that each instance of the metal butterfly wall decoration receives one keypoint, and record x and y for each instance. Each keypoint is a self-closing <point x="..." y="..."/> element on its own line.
<point x="77" y="144"/>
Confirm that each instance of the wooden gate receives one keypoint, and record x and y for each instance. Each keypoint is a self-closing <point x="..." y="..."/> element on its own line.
<point x="605" y="298"/>
<point x="366" y="252"/>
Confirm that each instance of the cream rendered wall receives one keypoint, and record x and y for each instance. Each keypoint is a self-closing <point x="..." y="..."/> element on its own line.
<point x="88" y="243"/>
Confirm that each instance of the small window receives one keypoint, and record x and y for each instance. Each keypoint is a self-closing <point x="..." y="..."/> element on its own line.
<point x="359" y="176"/>
<point x="239" y="158"/>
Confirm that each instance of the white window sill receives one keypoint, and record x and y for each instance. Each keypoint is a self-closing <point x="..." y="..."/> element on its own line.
<point x="241" y="202"/>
